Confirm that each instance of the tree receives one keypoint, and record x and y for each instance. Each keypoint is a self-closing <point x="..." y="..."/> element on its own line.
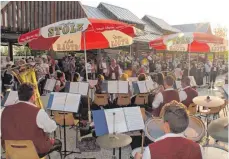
<point x="4" y="51"/>
<point x="21" y="50"/>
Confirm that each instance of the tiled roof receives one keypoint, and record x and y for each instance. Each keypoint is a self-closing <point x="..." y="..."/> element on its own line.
<point x="196" y="27"/>
<point x="146" y="38"/>
<point x="152" y="29"/>
<point x="161" y="23"/>
<point x="93" y="12"/>
<point x="121" y="13"/>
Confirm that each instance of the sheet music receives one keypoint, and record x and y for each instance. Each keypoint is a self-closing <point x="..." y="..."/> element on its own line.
<point x="150" y="85"/>
<point x="120" y="120"/>
<point x="50" y="84"/>
<point x="178" y="84"/>
<point x="72" y="102"/>
<point x="58" y="102"/>
<point x="122" y="87"/>
<point x="74" y="87"/>
<point x="134" y="118"/>
<point x="142" y="86"/>
<point x="12" y="98"/>
<point x="92" y="83"/>
<point x="112" y="87"/>
<point x="83" y="88"/>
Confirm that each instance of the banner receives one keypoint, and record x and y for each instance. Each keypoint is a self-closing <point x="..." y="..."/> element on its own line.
<point x="65" y="27"/>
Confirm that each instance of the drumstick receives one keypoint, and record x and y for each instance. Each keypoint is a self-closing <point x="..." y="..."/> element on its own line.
<point x="143" y="136"/>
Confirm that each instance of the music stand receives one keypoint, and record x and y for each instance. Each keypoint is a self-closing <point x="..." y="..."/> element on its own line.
<point x="65" y="110"/>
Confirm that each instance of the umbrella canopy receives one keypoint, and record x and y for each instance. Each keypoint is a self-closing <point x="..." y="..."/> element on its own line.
<point x="191" y="42"/>
<point x="69" y="35"/>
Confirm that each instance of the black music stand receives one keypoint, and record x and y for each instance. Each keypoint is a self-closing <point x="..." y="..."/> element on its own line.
<point x="64" y="110"/>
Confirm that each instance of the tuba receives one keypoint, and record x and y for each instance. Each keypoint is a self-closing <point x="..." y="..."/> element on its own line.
<point x="28" y="75"/>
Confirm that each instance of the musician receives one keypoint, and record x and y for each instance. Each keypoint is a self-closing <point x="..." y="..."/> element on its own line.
<point x="114" y="70"/>
<point x="98" y="86"/>
<point x="187" y="93"/>
<point x="24" y="121"/>
<point x="76" y="77"/>
<point x="60" y="82"/>
<point x="166" y="96"/>
<point x="173" y="144"/>
<point x="141" y="77"/>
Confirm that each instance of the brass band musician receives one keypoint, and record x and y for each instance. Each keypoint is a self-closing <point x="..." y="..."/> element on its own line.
<point x="25" y="121"/>
<point x="187" y="93"/>
<point x="173" y="144"/>
<point x="166" y="96"/>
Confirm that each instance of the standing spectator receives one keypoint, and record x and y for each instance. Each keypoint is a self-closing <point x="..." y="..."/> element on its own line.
<point x="93" y="69"/>
<point x="72" y="67"/>
<point x="200" y="73"/>
<point x="193" y="71"/>
<point x="213" y="75"/>
<point x="178" y="72"/>
<point x="207" y="67"/>
<point x="103" y="67"/>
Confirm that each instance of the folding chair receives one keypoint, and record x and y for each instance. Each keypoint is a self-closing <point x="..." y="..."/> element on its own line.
<point x="123" y="100"/>
<point x="20" y="149"/>
<point x="59" y="119"/>
<point x="101" y="99"/>
<point x="141" y="99"/>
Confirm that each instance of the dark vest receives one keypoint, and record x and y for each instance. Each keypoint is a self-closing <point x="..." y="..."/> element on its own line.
<point x="191" y="93"/>
<point x="175" y="148"/>
<point x="168" y="96"/>
<point x="115" y="71"/>
<point x="19" y="123"/>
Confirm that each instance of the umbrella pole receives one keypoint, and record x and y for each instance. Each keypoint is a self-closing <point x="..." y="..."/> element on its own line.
<point x="85" y="54"/>
<point x="189" y="59"/>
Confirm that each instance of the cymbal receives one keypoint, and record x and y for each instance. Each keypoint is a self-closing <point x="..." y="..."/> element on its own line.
<point x="218" y="129"/>
<point x="208" y="101"/>
<point x="113" y="141"/>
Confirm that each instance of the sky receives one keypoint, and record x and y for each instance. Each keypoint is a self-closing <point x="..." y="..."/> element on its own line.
<point x="176" y="11"/>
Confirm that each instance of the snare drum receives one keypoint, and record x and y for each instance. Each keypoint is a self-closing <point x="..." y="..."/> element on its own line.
<point x="195" y="131"/>
<point x="134" y="151"/>
<point x="211" y="152"/>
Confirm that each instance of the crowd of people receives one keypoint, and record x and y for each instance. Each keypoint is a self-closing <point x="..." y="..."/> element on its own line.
<point x="72" y="67"/>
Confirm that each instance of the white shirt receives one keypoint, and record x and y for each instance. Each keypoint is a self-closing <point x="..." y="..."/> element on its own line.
<point x="146" y="153"/>
<point x="43" y="120"/>
<point x="183" y="95"/>
<point x="207" y="67"/>
<point x="159" y="99"/>
<point x="178" y="73"/>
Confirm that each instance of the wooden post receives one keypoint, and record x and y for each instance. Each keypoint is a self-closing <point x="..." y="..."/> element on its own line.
<point x="10" y="50"/>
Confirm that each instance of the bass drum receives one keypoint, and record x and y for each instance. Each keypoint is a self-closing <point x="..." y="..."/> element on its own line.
<point x="195" y="131"/>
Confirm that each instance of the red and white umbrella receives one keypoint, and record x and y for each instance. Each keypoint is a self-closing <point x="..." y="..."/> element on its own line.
<point x="69" y="35"/>
<point x="190" y="42"/>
